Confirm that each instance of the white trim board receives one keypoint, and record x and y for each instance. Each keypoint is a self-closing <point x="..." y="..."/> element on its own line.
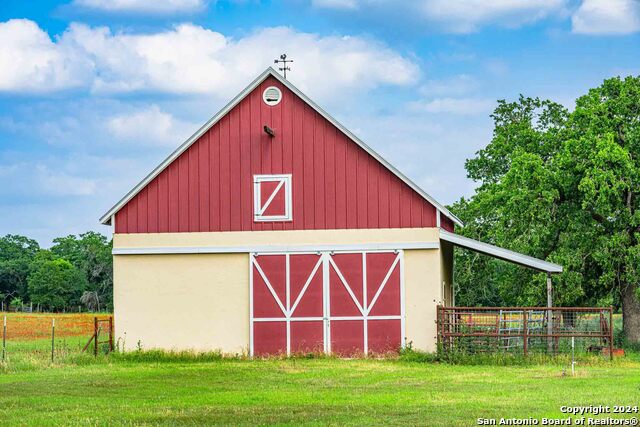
<point x="501" y="253"/>
<point x="106" y="218"/>
<point x="169" y="250"/>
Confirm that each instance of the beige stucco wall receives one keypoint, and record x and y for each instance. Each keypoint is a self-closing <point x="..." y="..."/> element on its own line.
<point x="177" y="302"/>
<point x="201" y="301"/>
<point x="422" y="295"/>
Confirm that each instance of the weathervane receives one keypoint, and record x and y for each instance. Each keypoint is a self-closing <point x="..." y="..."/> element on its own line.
<point x="283" y="59"/>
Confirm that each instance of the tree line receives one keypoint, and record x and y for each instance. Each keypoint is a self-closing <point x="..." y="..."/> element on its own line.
<point x="563" y="186"/>
<point x="75" y="271"/>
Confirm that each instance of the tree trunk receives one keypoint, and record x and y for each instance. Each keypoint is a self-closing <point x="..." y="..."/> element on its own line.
<point x="631" y="313"/>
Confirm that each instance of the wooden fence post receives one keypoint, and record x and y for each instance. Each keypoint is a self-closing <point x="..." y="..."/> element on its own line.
<point x="4" y="338"/>
<point x="438" y="336"/>
<point x="111" y="334"/>
<point x="95" y="334"/>
<point x="443" y="339"/>
<point x="53" y="337"/>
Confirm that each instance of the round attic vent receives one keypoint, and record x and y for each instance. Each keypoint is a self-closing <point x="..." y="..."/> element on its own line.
<point x="272" y="96"/>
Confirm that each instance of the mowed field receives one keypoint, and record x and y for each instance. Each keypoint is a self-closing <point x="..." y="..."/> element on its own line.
<point x="153" y="388"/>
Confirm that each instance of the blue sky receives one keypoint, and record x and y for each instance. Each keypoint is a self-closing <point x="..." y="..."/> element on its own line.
<point x="95" y="93"/>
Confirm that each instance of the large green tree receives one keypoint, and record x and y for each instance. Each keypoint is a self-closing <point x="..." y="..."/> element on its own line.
<point x="91" y="254"/>
<point x="562" y="186"/>
<point x="56" y="284"/>
<point x="16" y="254"/>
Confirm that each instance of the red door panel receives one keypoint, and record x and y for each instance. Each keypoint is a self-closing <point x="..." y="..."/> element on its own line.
<point x="301" y="269"/>
<point x="350" y="266"/>
<point x="274" y="269"/>
<point x="269" y="338"/>
<point x="307" y="337"/>
<point x="264" y="304"/>
<point x="384" y="336"/>
<point x="347" y="337"/>
<point x="341" y="303"/>
<point x="378" y="264"/>
<point x="388" y="302"/>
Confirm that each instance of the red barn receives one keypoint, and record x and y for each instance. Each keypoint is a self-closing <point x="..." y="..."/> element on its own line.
<point x="273" y="229"/>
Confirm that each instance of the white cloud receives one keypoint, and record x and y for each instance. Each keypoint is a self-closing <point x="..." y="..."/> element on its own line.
<point x="144" y="6"/>
<point x="182" y="60"/>
<point x="150" y="126"/>
<point x="190" y="59"/>
<point x="31" y="61"/>
<point x="466" y="16"/>
<point x="607" y="17"/>
<point x="457" y="16"/>
<point x="462" y="106"/>
<point x="324" y="66"/>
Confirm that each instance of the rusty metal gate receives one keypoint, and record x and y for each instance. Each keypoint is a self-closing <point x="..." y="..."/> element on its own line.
<point x="102" y="327"/>
<point x="525" y="329"/>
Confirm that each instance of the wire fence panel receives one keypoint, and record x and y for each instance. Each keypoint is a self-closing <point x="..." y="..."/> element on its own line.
<point x="33" y="337"/>
<point x="525" y="329"/>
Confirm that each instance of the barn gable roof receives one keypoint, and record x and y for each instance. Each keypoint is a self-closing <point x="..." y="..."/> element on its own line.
<point x="106" y="218"/>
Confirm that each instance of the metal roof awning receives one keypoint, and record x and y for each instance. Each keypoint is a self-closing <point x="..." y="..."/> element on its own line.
<point x="501" y="253"/>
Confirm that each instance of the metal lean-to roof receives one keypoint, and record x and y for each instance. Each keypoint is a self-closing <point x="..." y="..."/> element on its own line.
<point x="106" y="218"/>
<point x="501" y="253"/>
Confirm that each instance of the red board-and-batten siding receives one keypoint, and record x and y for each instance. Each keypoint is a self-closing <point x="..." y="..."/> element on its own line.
<point x="336" y="184"/>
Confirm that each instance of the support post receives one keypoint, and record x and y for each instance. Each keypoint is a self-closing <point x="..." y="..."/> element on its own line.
<point x="573" y="356"/>
<point x="525" y="333"/>
<point x="610" y="333"/>
<point x="549" y="313"/>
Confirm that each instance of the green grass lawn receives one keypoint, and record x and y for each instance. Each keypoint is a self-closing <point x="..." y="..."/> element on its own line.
<point x="119" y="390"/>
